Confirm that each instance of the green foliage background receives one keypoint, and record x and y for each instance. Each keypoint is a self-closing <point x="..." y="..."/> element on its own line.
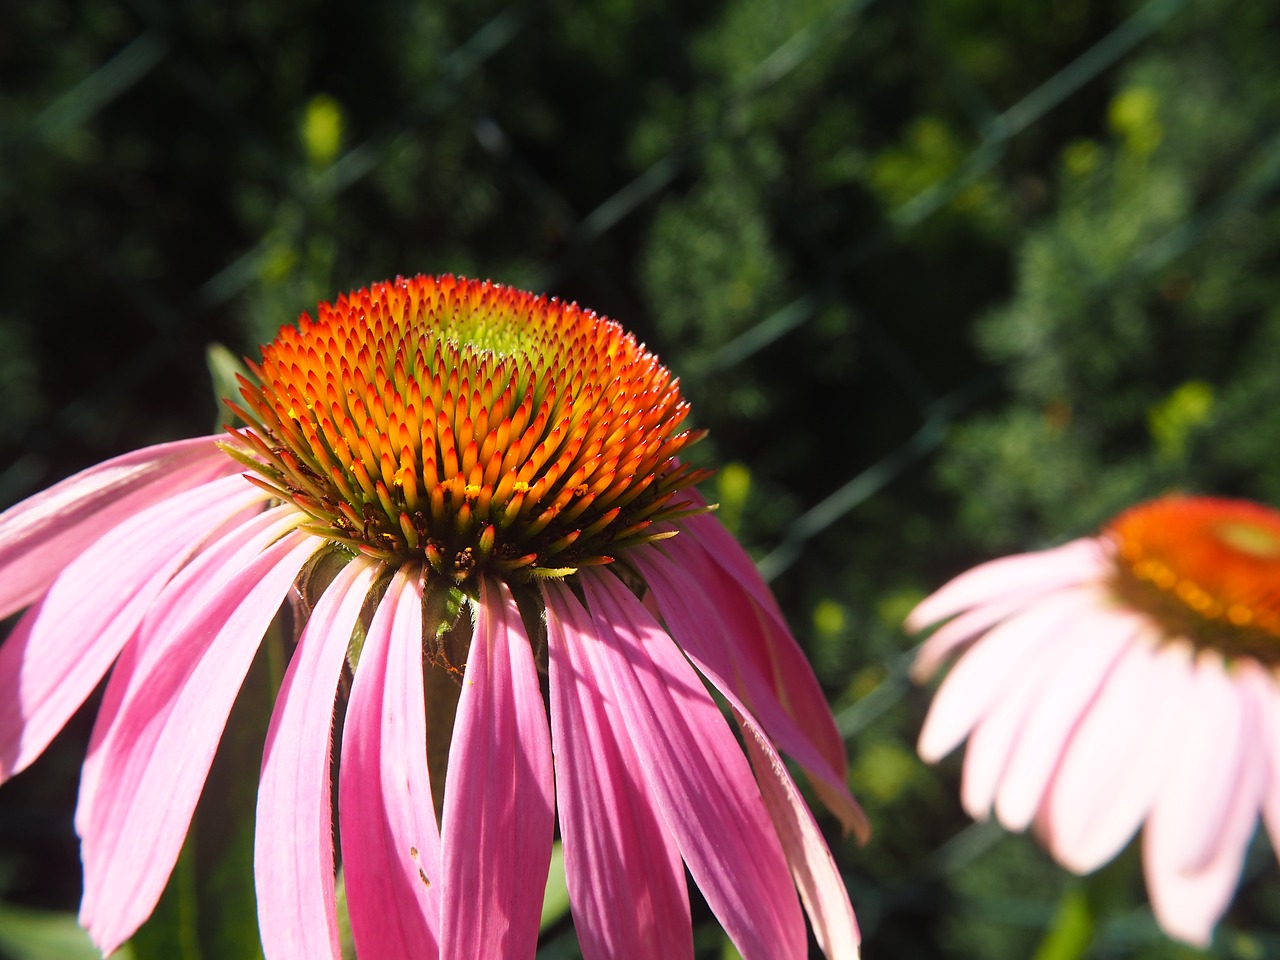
<point x="945" y="279"/>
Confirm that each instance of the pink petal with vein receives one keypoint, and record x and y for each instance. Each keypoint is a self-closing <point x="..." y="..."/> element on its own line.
<point x="390" y="841"/>
<point x="158" y="753"/>
<point x="987" y="669"/>
<point x="293" y="843"/>
<point x="1191" y="883"/>
<point x="1096" y="642"/>
<point x="821" y="887"/>
<point x="707" y="625"/>
<point x="760" y="634"/>
<point x="60" y="649"/>
<point x="1077" y="562"/>
<point x="45" y="532"/>
<point x="625" y="876"/>
<point x="728" y="554"/>
<point x="1118" y="757"/>
<point x="499" y="816"/>
<point x="200" y="581"/>
<point x="697" y="774"/>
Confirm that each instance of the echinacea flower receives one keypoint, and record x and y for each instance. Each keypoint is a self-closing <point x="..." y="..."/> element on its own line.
<point x="443" y="475"/>
<point x="1121" y="681"/>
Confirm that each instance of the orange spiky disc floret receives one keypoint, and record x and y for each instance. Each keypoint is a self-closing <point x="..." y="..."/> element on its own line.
<point x="1206" y="568"/>
<point x="469" y="424"/>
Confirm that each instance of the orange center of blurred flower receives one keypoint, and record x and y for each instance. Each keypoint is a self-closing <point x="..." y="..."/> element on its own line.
<point x="470" y="424"/>
<point x="1205" y="567"/>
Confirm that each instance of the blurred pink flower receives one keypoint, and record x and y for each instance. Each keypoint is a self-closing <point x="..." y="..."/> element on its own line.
<point x="467" y="458"/>
<point x="1122" y="681"/>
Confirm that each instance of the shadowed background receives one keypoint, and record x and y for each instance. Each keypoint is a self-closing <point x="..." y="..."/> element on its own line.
<point x="944" y="278"/>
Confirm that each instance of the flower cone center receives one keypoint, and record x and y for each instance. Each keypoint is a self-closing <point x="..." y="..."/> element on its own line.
<point x="469" y="424"/>
<point x="1206" y="568"/>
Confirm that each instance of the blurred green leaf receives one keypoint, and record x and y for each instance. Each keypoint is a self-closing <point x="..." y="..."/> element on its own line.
<point x="555" y="901"/>
<point x="1173" y="419"/>
<point x="321" y="130"/>
<point x="733" y="486"/>
<point x="1072" y="931"/>
<point x="43" y="935"/>
<point x="223" y="367"/>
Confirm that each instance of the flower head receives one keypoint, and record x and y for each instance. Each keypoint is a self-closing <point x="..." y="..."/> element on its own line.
<point x="1121" y="681"/>
<point x="465" y="480"/>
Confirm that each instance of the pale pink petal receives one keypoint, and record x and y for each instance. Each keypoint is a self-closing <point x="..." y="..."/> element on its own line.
<point x="957" y="632"/>
<point x="390" y="841"/>
<point x="696" y="772"/>
<point x="1266" y="694"/>
<point x="1095" y="644"/>
<point x="45" y="532"/>
<point x="1191" y="880"/>
<point x="821" y="887"/>
<point x="625" y="876"/>
<point x="1189" y="812"/>
<point x="499" y="814"/>
<point x="707" y="627"/>
<point x="158" y="754"/>
<point x="758" y="634"/>
<point x="987" y="669"/>
<point x="1080" y="561"/>
<point x="60" y="649"/>
<point x="293" y="843"/>
<point x="1118" y="757"/>
<point x="995" y="736"/>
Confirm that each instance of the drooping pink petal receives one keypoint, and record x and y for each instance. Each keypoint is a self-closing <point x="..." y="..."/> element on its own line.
<point x="986" y="669"/>
<point x="721" y="545"/>
<point x="822" y="889"/>
<point x="390" y="841"/>
<point x="60" y="649"/>
<point x="1191" y="880"/>
<point x="202" y="580"/>
<point x="499" y="818"/>
<point x="696" y="773"/>
<point x="1118" y="757"/>
<point x="1095" y="644"/>
<point x="44" y="533"/>
<point x="760" y="634"/>
<point x="158" y="753"/>
<point x="293" y="843"/>
<point x="625" y="876"/>
<point x="1079" y="561"/>
<point x="708" y="632"/>
<point x="690" y="615"/>
<point x="706" y="543"/>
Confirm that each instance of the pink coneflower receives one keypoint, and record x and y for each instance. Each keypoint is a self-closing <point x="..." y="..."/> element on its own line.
<point x="1120" y="681"/>
<point x="451" y="476"/>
